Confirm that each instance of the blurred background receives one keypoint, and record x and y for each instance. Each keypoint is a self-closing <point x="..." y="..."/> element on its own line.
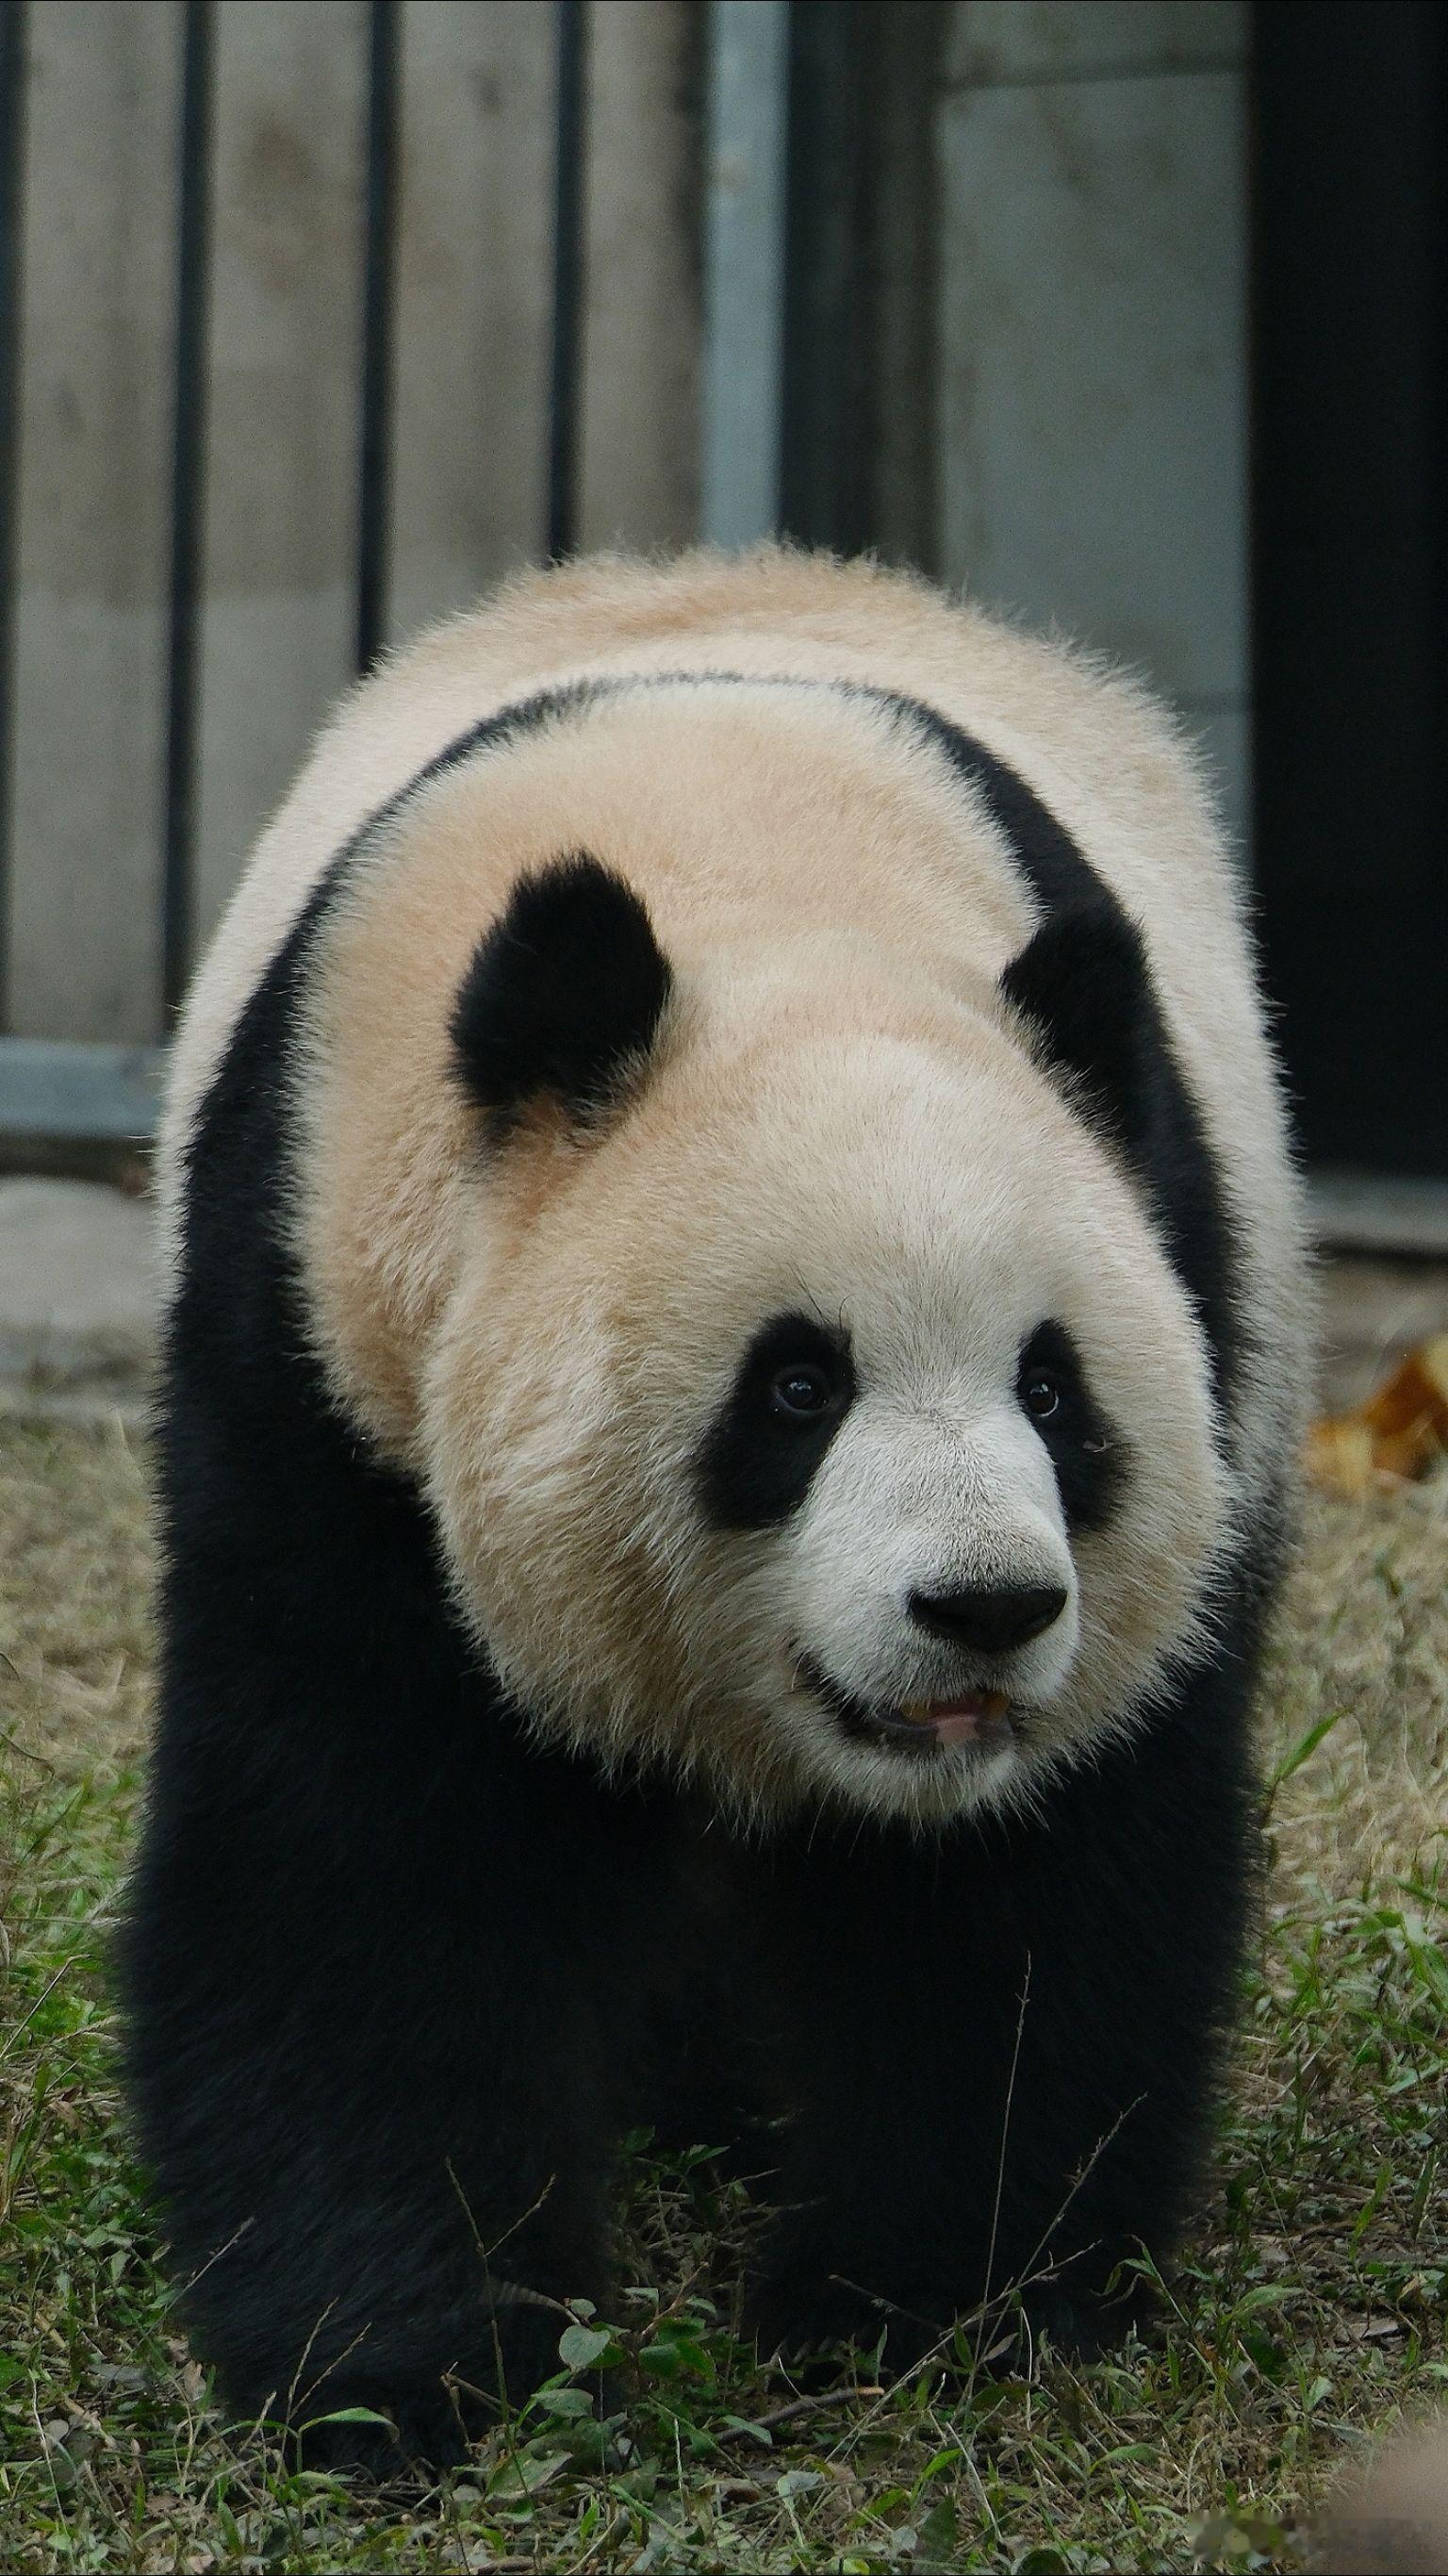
<point x="318" y="316"/>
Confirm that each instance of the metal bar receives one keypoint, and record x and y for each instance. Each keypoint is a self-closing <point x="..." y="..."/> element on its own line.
<point x="830" y="440"/>
<point x="745" y="230"/>
<point x="97" y="1093"/>
<point x="565" y="369"/>
<point x="12" y="145"/>
<point x="374" y="485"/>
<point x="1349" y="571"/>
<point x="188" y="497"/>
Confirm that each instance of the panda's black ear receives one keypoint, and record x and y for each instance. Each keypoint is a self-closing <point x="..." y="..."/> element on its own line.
<point x="1084" y="984"/>
<point x="563" y="996"/>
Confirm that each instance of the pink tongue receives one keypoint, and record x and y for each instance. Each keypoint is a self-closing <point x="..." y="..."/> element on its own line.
<point x="979" y="1717"/>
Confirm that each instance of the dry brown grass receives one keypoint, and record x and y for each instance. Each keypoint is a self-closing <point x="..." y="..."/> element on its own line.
<point x="75" y="1570"/>
<point x="1362" y="1641"/>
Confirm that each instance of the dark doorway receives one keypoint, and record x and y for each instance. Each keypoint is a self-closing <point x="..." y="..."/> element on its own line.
<point x="1351" y="599"/>
<point x="857" y="451"/>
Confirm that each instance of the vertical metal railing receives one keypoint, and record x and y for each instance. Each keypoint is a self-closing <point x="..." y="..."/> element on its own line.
<point x="566" y="352"/>
<point x="91" y="1090"/>
<point x="190" y="385"/>
<point x="12" y="141"/>
<point x="745" y="206"/>
<point x="379" y="262"/>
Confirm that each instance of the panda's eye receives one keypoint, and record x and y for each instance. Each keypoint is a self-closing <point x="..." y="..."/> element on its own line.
<point x="802" y="1392"/>
<point x="793" y="1387"/>
<point x="1091" y="1458"/>
<point x="1041" y="1397"/>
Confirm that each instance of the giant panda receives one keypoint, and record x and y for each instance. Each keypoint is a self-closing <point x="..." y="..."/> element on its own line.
<point x="730" y="1389"/>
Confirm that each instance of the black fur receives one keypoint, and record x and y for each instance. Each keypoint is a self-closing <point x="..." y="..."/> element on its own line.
<point x="1084" y="982"/>
<point x="999" y="2043"/>
<point x="564" y="995"/>
<point x="364" y="2041"/>
<point x="758" y="1463"/>
<point x="1085" y="966"/>
<point x="1089" y="1454"/>
<point x="395" y="1980"/>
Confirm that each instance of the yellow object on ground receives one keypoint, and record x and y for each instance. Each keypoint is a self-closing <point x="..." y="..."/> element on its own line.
<point x="1401" y="1429"/>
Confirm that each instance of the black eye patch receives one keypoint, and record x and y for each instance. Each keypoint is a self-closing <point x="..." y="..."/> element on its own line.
<point x="793" y="1389"/>
<point x="1089" y="1454"/>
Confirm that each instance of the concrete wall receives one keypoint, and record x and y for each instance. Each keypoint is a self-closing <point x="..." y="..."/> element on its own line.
<point x="1093" y="300"/>
<point x="475" y="249"/>
<point x="1086" y="464"/>
<point x="282" y="462"/>
<point x="95" y="437"/>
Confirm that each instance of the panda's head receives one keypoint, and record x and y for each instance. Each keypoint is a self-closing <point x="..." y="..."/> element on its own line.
<point x="815" y="1407"/>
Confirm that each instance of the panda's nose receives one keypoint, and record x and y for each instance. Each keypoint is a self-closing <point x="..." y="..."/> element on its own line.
<point x="992" y="1621"/>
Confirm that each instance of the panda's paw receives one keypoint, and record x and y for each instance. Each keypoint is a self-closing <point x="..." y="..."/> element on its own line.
<point x="409" y="2426"/>
<point x="1080" y="2325"/>
<point x="796" y="2311"/>
<point x="789" y="2311"/>
<point x="397" y="2436"/>
<point x="389" y="2437"/>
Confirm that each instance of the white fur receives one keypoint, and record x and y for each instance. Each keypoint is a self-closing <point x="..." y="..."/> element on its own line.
<point x="875" y="1186"/>
<point x="839" y="1114"/>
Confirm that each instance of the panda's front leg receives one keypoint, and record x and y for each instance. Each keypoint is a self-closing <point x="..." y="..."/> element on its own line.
<point x="372" y="2037"/>
<point x="1000" y="2047"/>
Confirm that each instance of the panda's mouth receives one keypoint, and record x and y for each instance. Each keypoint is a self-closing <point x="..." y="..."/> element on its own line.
<point x="975" y="1717"/>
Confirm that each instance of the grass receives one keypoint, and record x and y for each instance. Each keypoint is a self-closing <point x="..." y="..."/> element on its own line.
<point x="1307" y="2313"/>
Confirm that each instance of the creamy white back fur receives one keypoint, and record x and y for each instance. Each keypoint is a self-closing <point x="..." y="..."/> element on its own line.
<point x="840" y="1118"/>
